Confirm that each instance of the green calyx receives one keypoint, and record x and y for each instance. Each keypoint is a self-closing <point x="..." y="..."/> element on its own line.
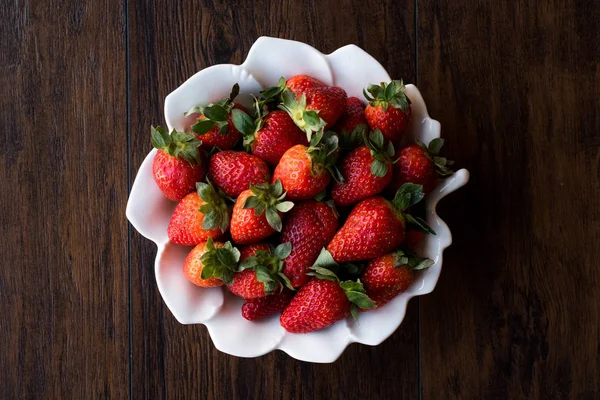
<point x="268" y="266"/>
<point x="323" y="151"/>
<point x="248" y="125"/>
<point x="410" y="260"/>
<point x="214" y="114"/>
<point x="388" y="94"/>
<point x="177" y="144"/>
<point x="381" y="151"/>
<point x="215" y="209"/>
<point x="307" y="120"/>
<point x="219" y="262"/>
<point x="408" y="195"/>
<point x="351" y="140"/>
<point x="270" y="97"/>
<point x="432" y="151"/>
<point x="267" y="198"/>
<point x="354" y="290"/>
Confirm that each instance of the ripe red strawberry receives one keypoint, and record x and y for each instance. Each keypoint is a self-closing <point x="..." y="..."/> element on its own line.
<point x="306" y="171"/>
<point x="302" y="83"/>
<point x="254" y="309"/>
<point x="351" y="124"/>
<point x="367" y="170"/>
<point x="413" y="238"/>
<point x="211" y="263"/>
<point x="251" y="249"/>
<point x="324" y="300"/>
<point x="308" y="227"/>
<point x="387" y="276"/>
<point x="235" y="171"/>
<point x="420" y="164"/>
<point x="198" y="216"/>
<point x="388" y="109"/>
<point x="313" y="108"/>
<point x="257" y="213"/>
<point x="260" y="274"/>
<point x="178" y="164"/>
<point x="270" y="136"/>
<point x="215" y="126"/>
<point x="376" y="226"/>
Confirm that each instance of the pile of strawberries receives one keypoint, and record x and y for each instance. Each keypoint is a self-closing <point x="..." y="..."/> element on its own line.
<point x="304" y="205"/>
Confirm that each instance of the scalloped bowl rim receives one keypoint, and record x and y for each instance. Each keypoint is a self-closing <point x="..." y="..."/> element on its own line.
<point x="342" y="68"/>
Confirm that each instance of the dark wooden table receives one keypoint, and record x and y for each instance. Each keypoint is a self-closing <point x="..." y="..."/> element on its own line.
<point x="516" y="86"/>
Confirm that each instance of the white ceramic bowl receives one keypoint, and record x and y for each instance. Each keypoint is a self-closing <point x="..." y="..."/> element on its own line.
<point x="149" y="211"/>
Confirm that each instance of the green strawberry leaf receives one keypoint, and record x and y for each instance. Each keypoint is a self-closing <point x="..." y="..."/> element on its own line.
<point x="424" y="264"/>
<point x="195" y="110"/>
<point x="243" y="123"/>
<point x="235" y="90"/>
<point x="379" y="168"/>
<point x="247" y="263"/>
<point x="336" y="174"/>
<point x="419" y="224"/>
<point x="312" y="118"/>
<point x="251" y="202"/>
<point x="277" y="188"/>
<point x="435" y="146"/>
<point x="377" y="138"/>
<point x="219" y="262"/>
<point x="324" y="273"/>
<point x="325" y="259"/>
<point x="360" y="299"/>
<point x="215" y="113"/>
<point x="160" y="137"/>
<point x="215" y="209"/>
<point x="223" y="126"/>
<point x="273" y="219"/>
<point x="355" y="293"/>
<point x="286" y="281"/>
<point x="408" y="195"/>
<point x="283" y="250"/>
<point x="203" y="126"/>
<point x="284" y="206"/>
<point x="210" y="220"/>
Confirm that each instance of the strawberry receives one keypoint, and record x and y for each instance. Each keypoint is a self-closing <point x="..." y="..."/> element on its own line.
<point x="387" y="276"/>
<point x="376" y="226"/>
<point x="367" y="170"/>
<point x="324" y="300"/>
<point x="308" y="227"/>
<point x="388" y="109"/>
<point x="251" y="249"/>
<point x="413" y="238"/>
<point x="198" y="216"/>
<point x="215" y="126"/>
<point x="304" y="171"/>
<point x="270" y="135"/>
<point x="315" y="107"/>
<point x="260" y="272"/>
<point x="302" y="83"/>
<point x="254" y="309"/>
<point x="211" y="263"/>
<point x="257" y="213"/>
<point x="420" y="164"/>
<point x="178" y="163"/>
<point x="351" y="124"/>
<point x="235" y="171"/>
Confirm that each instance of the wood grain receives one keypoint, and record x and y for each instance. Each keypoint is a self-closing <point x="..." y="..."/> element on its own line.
<point x="63" y="281"/>
<point x="169" y="43"/>
<point x="516" y="87"/>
